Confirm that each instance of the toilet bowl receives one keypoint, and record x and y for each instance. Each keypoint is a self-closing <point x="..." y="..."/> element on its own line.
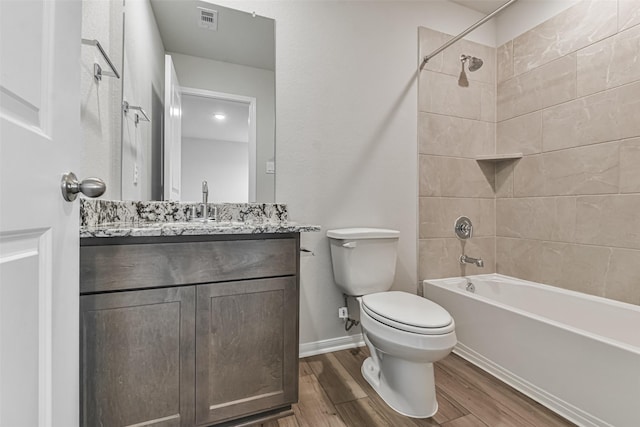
<point x="403" y="348"/>
<point x="405" y="333"/>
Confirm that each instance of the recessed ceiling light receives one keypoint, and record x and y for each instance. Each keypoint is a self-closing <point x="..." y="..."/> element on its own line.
<point x="219" y="116"/>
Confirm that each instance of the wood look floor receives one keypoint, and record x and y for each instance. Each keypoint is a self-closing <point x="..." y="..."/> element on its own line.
<point x="334" y="393"/>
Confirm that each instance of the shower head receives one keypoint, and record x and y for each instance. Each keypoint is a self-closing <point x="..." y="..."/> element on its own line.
<point x="474" y="63"/>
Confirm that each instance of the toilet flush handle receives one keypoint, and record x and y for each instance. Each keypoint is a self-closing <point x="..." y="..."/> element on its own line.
<point x="350" y="245"/>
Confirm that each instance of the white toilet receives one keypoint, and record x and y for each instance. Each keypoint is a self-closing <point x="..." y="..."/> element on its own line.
<point x="405" y="333"/>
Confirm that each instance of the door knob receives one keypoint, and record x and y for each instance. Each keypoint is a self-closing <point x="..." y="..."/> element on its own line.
<point x="90" y="187"/>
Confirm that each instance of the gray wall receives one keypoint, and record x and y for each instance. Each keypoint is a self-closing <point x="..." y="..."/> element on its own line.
<point x="346" y="91"/>
<point x="100" y="101"/>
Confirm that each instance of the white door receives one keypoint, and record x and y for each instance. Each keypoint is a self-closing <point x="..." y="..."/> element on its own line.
<point x="172" y="131"/>
<point x="39" y="141"/>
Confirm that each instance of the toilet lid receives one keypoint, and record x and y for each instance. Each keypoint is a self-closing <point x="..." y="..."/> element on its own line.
<point x="408" y="312"/>
<point x="363" y="233"/>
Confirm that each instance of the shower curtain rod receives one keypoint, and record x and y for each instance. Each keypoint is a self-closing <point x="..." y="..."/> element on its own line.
<point x="465" y="32"/>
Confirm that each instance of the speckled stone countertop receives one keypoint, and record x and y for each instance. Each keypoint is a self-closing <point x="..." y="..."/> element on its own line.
<point x="111" y="218"/>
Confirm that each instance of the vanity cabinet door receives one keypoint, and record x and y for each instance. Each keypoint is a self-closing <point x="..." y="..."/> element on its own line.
<point x="246" y="348"/>
<point x="137" y="358"/>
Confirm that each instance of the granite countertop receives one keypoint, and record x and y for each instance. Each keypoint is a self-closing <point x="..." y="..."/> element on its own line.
<point x="195" y="228"/>
<point x="114" y="218"/>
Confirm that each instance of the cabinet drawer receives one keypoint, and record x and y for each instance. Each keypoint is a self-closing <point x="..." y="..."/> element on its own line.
<point x="136" y="266"/>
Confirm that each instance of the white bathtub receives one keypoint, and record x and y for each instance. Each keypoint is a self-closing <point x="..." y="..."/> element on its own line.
<point x="577" y="354"/>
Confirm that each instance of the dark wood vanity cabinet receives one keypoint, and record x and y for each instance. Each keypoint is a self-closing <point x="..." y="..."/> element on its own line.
<point x="136" y="352"/>
<point x="188" y="331"/>
<point x="242" y="329"/>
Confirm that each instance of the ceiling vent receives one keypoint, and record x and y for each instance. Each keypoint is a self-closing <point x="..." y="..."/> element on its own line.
<point x="208" y="18"/>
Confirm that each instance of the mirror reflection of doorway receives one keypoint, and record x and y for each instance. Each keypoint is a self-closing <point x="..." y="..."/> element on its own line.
<point x="218" y="145"/>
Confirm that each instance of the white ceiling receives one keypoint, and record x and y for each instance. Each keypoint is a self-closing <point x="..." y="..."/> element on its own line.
<point x="198" y="120"/>
<point x="241" y="38"/>
<point x="484" y="6"/>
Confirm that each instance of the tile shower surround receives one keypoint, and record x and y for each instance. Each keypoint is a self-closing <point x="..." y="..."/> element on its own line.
<point x="567" y="97"/>
<point x="455" y="125"/>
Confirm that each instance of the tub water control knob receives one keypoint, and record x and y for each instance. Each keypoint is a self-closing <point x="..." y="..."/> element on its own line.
<point x="463" y="228"/>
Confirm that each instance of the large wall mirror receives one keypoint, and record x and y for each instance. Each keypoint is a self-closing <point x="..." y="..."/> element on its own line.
<point x="199" y="83"/>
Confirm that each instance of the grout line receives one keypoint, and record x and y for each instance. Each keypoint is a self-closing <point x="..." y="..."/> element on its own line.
<point x="592" y="245"/>
<point x="591" y="144"/>
<point x="606" y="274"/>
<point x="495" y="234"/>
<point x="447" y="156"/>
<point x="550" y="196"/>
<point x="539" y="196"/>
<point x="456" y="197"/>
<point x="489" y="122"/>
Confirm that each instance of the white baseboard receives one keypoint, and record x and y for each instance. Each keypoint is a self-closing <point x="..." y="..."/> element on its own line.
<point x="333" y="344"/>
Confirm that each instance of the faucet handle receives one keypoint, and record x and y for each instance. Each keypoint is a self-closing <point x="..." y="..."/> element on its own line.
<point x="463" y="228"/>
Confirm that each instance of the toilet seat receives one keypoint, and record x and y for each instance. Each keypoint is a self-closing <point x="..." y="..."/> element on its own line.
<point x="408" y="312"/>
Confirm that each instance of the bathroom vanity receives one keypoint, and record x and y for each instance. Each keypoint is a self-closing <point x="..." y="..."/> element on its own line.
<point x="188" y="330"/>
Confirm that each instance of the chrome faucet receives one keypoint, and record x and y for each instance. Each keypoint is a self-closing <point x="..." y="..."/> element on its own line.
<point x="469" y="260"/>
<point x="205" y="197"/>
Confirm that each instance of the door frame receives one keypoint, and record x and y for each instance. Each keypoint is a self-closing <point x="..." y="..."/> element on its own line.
<point x="205" y="93"/>
<point x="171" y="182"/>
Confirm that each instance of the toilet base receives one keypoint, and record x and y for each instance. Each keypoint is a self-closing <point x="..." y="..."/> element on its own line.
<point x="407" y="387"/>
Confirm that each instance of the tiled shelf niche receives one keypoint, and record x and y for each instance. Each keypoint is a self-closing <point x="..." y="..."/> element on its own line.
<point x="498" y="157"/>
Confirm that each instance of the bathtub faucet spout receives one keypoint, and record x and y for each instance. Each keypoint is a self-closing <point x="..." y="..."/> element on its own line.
<point x="464" y="259"/>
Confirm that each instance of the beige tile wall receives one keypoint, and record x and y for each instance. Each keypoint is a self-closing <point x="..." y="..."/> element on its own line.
<point x="566" y="94"/>
<point x="560" y="36"/>
<point x="568" y="97"/>
<point x="455" y="125"/>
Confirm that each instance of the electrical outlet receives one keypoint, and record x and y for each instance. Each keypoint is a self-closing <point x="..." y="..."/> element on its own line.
<point x="343" y="313"/>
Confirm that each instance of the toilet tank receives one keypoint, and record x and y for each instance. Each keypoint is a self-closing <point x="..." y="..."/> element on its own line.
<point x="364" y="259"/>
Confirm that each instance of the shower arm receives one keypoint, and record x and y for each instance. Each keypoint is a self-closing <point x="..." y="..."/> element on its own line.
<point x="465" y="32"/>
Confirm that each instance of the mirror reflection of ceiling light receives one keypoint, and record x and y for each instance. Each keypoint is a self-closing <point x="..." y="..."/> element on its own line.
<point x="219" y="116"/>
